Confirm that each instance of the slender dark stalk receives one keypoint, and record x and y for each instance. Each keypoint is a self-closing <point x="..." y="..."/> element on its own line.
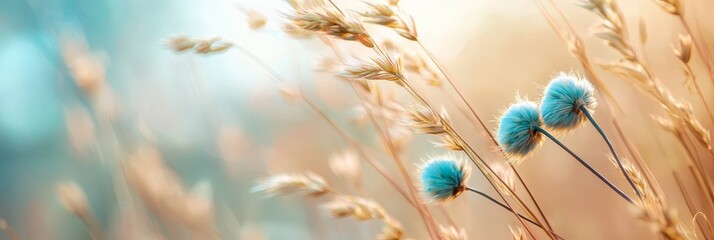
<point x="612" y="149"/>
<point x="511" y="210"/>
<point x="585" y="164"/>
<point x="483" y="125"/>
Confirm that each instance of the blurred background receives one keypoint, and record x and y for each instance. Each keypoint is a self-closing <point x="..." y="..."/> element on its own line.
<point x="85" y="85"/>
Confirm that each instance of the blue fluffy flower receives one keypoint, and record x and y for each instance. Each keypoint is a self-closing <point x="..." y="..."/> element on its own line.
<point x="517" y="135"/>
<point x="560" y="106"/>
<point x="443" y="179"/>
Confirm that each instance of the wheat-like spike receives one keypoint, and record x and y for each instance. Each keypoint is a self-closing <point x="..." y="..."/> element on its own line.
<point x="391" y="231"/>
<point x="423" y="120"/>
<point x="683" y="50"/>
<point x="362" y="209"/>
<point x="673" y="7"/>
<point x="448" y="142"/>
<point x="651" y="208"/>
<point x="379" y="68"/>
<point x="326" y="20"/>
<point x="311" y="184"/>
<point x="200" y="46"/>
<point x="630" y="66"/>
<point x="390" y="16"/>
<point x="452" y="233"/>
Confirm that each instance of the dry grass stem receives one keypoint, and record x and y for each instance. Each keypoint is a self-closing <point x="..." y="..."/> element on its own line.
<point x="452" y="233"/>
<point x="632" y="67"/>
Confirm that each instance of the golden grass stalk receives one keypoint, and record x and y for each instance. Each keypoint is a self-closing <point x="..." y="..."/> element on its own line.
<point x="448" y="130"/>
<point x="450" y="142"/>
<point x="376" y="69"/>
<point x="676" y="8"/>
<point x="340" y="206"/>
<point x="362" y="209"/>
<point x="323" y="19"/>
<point x="390" y="69"/>
<point x="293" y="92"/>
<point x="632" y="67"/>
<point x="683" y="52"/>
<point x="310" y="184"/>
<point x="390" y="16"/>
<point x="651" y="206"/>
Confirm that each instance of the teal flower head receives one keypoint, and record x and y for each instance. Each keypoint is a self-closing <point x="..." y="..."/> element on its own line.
<point x="563" y="97"/>
<point x="517" y="135"/>
<point x="443" y="178"/>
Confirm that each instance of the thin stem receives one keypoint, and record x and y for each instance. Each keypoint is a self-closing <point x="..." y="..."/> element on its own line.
<point x="482" y="124"/>
<point x="510" y="209"/>
<point x="369" y="158"/>
<point x="482" y="166"/>
<point x="612" y="149"/>
<point x="585" y="164"/>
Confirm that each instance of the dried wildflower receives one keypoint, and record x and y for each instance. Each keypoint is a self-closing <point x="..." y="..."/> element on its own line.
<point x="517" y="135"/>
<point x="452" y="233"/>
<point x="562" y="100"/>
<point x="389" y="16"/>
<point x="73" y="198"/>
<point x="200" y="46"/>
<point x="311" y="184"/>
<point x="382" y="68"/>
<point x="346" y="164"/>
<point x="328" y="21"/>
<point x="443" y="178"/>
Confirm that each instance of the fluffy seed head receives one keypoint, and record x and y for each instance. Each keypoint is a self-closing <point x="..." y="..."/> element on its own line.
<point x="443" y="178"/>
<point x="563" y="97"/>
<point x="517" y="135"/>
